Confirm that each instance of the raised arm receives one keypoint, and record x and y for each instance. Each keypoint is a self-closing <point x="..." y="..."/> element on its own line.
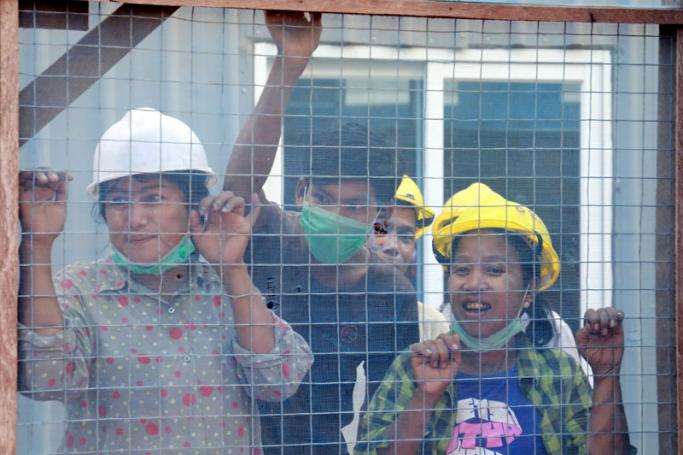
<point x="601" y="342"/>
<point x="222" y="243"/>
<point x="273" y="358"/>
<point x="252" y="157"/>
<point x="42" y="211"/>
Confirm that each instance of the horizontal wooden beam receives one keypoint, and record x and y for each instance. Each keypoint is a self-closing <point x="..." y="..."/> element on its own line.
<point x="441" y="9"/>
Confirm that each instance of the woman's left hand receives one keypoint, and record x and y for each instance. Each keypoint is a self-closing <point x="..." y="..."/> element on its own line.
<point x="601" y="340"/>
<point x="220" y="230"/>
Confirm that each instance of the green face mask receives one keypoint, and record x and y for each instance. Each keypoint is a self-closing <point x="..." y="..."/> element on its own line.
<point x="177" y="256"/>
<point x="498" y="339"/>
<point x="332" y="238"/>
<point x="495" y="341"/>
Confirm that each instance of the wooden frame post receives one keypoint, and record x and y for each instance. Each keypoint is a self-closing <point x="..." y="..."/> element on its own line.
<point x="679" y="234"/>
<point x="9" y="232"/>
<point x="665" y="244"/>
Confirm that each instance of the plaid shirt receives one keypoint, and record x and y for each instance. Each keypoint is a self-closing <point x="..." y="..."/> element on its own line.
<point x="550" y="379"/>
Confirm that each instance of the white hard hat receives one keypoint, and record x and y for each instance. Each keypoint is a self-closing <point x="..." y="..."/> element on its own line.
<point x="145" y="141"/>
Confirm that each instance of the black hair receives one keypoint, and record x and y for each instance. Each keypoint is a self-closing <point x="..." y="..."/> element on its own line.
<point x="350" y="151"/>
<point x="540" y="329"/>
<point x="191" y="183"/>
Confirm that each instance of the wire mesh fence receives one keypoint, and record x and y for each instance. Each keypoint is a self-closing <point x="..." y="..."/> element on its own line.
<point x="302" y="233"/>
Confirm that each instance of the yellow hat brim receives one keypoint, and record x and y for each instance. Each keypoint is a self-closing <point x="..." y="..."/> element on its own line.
<point x="478" y="207"/>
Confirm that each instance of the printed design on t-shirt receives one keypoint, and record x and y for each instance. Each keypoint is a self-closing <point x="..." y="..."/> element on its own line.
<point x="481" y="425"/>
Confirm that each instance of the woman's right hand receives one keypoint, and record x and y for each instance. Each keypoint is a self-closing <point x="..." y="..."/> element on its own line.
<point x="42" y="204"/>
<point x="435" y="363"/>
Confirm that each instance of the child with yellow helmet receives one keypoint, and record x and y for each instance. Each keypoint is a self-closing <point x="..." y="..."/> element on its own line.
<point x="486" y="386"/>
<point x="395" y="242"/>
<point x="478" y="207"/>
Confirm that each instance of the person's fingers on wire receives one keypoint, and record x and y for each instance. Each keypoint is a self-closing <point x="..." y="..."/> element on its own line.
<point x="281" y="19"/>
<point x="614" y="315"/>
<point x="434" y="356"/>
<point x="422" y="356"/>
<point x="422" y="350"/>
<point x="443" y="357"/>
<point x="58" y="182"/>
<point x="429" y="351"/>
<point x="453" y="344"/>
<point x="30" y="180"/>
<point x="603" y="317"/>
<point x="52" y="177"/>
<point x="615" y="318"/>
<point x="50" y="185"/>
<point x="40" y="177"/>
<point x="44" y="176"/>
<point x="592" y="320"/>
<point x="208" y="209"/>
<point x="205" y="205"/>
<point x="619" y="318"/>
<point x="220" y="200"/>
<point x="61" y="192"/>
<point x="233" y="204"/>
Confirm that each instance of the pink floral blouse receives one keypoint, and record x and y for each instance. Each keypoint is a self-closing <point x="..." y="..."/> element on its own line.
<point x="139" y="374"/>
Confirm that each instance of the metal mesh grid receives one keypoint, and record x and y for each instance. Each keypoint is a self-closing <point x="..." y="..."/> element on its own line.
<point x="573" y="121"/>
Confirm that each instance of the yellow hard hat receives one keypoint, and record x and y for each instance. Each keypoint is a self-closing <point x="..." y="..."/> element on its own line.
<point x="410" y="193"/>
<point x="479" y="207"/>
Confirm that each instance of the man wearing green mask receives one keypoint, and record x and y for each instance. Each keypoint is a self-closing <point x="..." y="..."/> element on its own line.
<point x="313" y="265"/>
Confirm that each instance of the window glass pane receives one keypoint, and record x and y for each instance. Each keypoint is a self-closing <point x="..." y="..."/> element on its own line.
<point x="522" y="139"/>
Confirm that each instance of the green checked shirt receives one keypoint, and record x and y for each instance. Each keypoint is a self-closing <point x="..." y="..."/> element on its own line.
<point x="548" y="378"/>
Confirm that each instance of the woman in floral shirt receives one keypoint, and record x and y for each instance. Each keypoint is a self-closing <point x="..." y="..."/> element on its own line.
<point x="162" y="346"/>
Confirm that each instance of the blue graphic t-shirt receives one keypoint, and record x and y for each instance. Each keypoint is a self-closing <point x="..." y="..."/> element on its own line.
<point x="493" y="417"/>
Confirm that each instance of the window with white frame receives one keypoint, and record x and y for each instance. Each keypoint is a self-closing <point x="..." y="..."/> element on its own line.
<point x="413" y="95"/>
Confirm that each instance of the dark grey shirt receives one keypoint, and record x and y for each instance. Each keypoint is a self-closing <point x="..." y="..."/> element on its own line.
<point x="369" y="322"/>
